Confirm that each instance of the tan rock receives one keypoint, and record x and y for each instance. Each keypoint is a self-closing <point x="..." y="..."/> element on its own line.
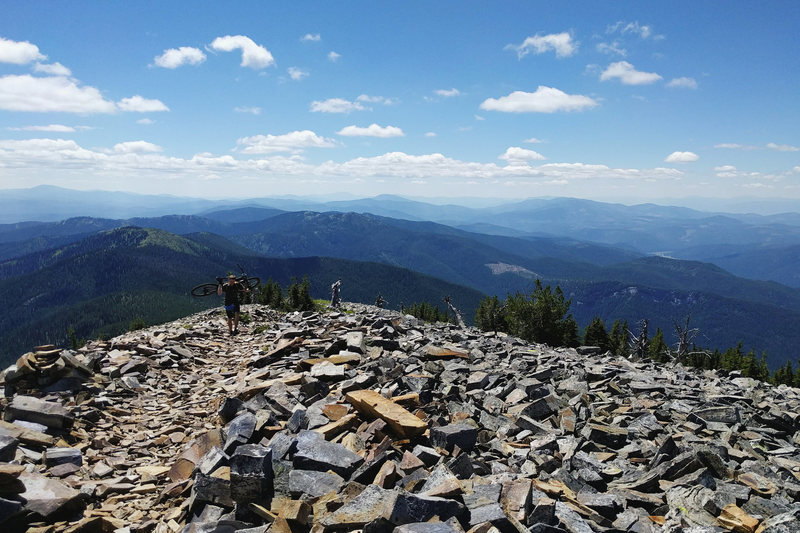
<point x="737" y="520"/>
<point x="374" y="404"/>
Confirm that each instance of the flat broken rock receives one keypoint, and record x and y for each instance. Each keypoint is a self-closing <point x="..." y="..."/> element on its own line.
<point x="399" y="419"/>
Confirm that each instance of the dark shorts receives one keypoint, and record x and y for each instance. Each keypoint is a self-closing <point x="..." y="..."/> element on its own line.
<point x="231" y="310"/>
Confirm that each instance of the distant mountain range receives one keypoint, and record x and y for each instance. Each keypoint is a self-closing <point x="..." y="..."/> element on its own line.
<point x="613" y="261"/>
<point x="749" y="245"/>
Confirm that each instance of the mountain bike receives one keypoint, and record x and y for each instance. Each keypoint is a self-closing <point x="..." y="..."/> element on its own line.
<point x="245" y="283"/>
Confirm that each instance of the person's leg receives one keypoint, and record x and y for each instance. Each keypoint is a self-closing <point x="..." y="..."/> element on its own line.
<point x="236" y="322"/>
<point x="229" y="313"/>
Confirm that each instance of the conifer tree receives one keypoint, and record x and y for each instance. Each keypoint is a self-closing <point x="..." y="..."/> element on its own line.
<point x="658" y="349"/>
<point x="542" y="318"/>
<point x="595" y="334"/>
<point x="618" y="338"/>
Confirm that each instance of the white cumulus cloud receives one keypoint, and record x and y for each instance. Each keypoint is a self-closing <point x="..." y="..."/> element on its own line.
<point x="373" y="130"/>
<point x="627" y="74"/>
<point x="296" y="73"/>
<point x="60" y="128"/>
<point x="726" y="171"/>
<point x="139" y="104"/>
<point x="59" y="157"/>
<point x="254" y="55"/>
<point x="311" y="37"/>
<point x="544" y="100"/>
<point x="376" y="99"/>
<point x="336" y="105"/>
<point x="333" y="56"/>
<point x="683" y="83"/>
<point x="612" y="48"/>
<point x="448" y="93"/>
<point x="145" y="121"/>
<point x="176" y="57"/>
<point x="54" y="69"/>
<point x="783" y="147"/>
<point x="561" y="43"/>
<point x="137" y="147"/>
<point x="19" y="52"/>
<point x="533" y="140"/>
<point x="430" y="134"/>
<point x="295" y="141"/>
<point x="682" y="157"/>
<point x="50" y="94"/>
<point x="515" y="154"/>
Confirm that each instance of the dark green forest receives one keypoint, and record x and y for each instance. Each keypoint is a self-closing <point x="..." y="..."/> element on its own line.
<point x="544" y="317"/>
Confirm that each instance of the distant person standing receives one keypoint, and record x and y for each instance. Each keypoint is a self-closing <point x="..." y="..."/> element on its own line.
<point x="231" y="290"/>
<point x="336" y="299"/>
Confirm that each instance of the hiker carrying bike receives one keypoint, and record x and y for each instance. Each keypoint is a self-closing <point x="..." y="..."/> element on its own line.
<point x="231" y="290"/>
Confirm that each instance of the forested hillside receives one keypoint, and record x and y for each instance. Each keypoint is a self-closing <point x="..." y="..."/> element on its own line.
<point x="101" y="284"/>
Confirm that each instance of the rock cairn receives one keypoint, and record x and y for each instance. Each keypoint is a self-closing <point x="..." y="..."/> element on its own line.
<point x="365" y="420"/>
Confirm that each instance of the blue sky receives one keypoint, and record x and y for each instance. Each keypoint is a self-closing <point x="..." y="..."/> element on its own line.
<point x="623" y="101"/>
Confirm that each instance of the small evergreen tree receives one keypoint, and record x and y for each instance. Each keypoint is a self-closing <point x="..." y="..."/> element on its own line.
<point x="271" y="294"/>
<point x="299" y="298"/>
<point x="618" y="338"/>
<point x="542" y="318"/>
<point x="658" y="349"/>
<point x="572" y="337"/>
<point x="733" y="358"/>
<point x="490" y="315"/>
<point x="595" y="334"/>
<point x="784" y="375"/>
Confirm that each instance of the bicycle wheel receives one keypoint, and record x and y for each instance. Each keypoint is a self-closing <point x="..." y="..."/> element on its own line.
<point x="205" y="289"/>
<point x="252" y="283"/>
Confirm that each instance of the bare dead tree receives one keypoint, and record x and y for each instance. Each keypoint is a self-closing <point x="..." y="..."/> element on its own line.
<point x="685" y="336"/>
<point x="638" y="344"/>
<point x="685" y="343"/>
<point x="456" y="312"/>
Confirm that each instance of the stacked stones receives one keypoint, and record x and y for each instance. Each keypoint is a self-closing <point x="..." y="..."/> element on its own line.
<point x="368" y="420"/>
<point x="46" y="368"/>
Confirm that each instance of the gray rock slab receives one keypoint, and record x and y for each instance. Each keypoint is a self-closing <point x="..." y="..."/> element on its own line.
<point x="691" y="503"/>
<point x="415" y="508"/>
<point x="8" y="448"/>
<point x="355" y="342"/>
<point x="211" y="460"/>
<point x="327" y="371"/>
<point x="306" y="484"/>
<point x="49" y="498"/>
<point x="492" y="514"/>
<point x="240" y="430"/>
<point x="572" y="521"/>
<point x="427" y="455"/>
<point x="426" y="527"/>
<point x="483" y="494"/>
<point x="460" y="434"/>
<point x="372" y="504"/>
<point x="315" y="453"/>
<point x="211" y="489"/>
<point x="50" y="414"/>
<point x="60" y="456"/>
<point x="251" y="473"/>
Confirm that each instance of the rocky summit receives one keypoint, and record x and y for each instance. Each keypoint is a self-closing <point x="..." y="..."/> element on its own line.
<point x="362" y="419"/>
